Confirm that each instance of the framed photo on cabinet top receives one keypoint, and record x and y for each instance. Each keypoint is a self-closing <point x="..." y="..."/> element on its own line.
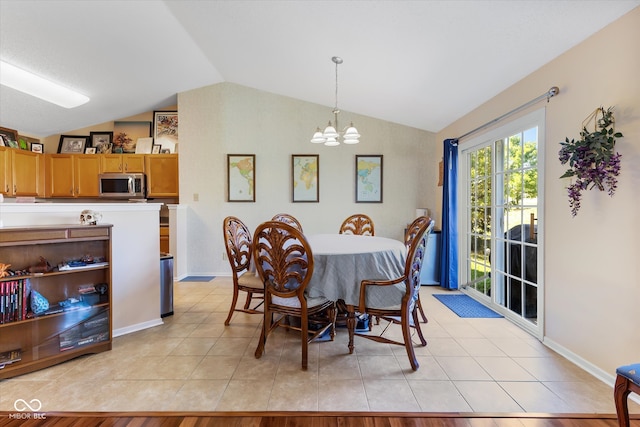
<point x="37" y="147"/>
<point x="9" y="136"/>
<point x="305" y="173"/>
<point x="101" y="141"/>
<point x="241" y="185"/>
<point x="165" y="129"/>
<point x="126" y="134"/>
<point x="72" y="144"/>
<point x="369" y="179"/>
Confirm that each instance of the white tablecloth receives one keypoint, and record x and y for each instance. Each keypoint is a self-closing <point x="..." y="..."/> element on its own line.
<point x="342" y="261"/>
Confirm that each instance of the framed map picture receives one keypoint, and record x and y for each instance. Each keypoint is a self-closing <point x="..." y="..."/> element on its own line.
<point x="305" y="169"/>
<point x="241" y="177"/>
<point x="369" y="179"/>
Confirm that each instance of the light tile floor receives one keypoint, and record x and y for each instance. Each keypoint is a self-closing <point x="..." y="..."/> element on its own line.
<point x="194" y="363"/>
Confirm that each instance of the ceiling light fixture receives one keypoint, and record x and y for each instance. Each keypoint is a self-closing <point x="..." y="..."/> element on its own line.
<point x="24" y="81"/>
<point x="330" y="136"/>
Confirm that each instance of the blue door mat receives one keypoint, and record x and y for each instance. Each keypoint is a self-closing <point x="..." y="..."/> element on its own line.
<point x="465" y="306"/>
<point x="198" y="278"/>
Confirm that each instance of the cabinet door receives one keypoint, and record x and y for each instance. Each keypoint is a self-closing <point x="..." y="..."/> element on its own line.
<point x="87" y="169"/>
<point x="111" y="163"/>
<point x="133" y="163"/>
<point x="60" y="177"/>
<point x="5" y="172"/>
<point x="26" y="173"/>
<point x="162" y="175"/>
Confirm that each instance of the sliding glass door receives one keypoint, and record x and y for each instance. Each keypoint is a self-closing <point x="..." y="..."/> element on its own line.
<point x="500" y="197"/>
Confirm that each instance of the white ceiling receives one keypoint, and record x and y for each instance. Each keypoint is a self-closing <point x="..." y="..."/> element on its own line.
<point x="418" y="63"/>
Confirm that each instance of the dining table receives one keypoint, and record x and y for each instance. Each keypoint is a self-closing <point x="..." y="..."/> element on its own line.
<point x="343" y="261"/>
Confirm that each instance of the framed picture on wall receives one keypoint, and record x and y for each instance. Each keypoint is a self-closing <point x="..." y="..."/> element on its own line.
<point x="369" y="179"/>
<point x="72" y="144"/>
<point x="241" y="185"/>
<point x="305" y="183"/>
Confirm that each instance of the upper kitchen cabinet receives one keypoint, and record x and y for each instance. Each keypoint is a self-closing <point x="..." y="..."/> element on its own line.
<point x="123" y="163"/>
<point x="21" y="173"/>
<point x="72" y="175"/>
<point x="162" y="175"/>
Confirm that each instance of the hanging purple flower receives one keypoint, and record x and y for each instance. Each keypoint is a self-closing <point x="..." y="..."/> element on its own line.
<point x="592" y="160"/>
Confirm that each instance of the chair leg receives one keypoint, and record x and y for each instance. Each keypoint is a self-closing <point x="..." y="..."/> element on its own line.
<point x="247" y="302"/>
<point x="266" y="325"/>
<point x="416" y="323"/>
<point x="233" y="305"/>
<point x="408" y="344"/>
<point x="304" y="335"/>
<point x="620" y="394"/>
<point x="419" y="305"/>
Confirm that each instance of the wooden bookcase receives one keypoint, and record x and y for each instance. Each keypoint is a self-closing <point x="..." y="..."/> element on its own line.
<point x="82" y="324"/>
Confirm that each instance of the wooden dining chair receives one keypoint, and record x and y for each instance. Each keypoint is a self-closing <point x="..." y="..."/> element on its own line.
<point x="237" y="239"/>
<point x="359" y="224"/>
<point x="405" y="311"/>
<point x="284" y="262"/>
<point x="408" y="238"/>
<point x="288" y="219"/>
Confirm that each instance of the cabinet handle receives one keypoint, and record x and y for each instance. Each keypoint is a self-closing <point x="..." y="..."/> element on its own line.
<point x="126" y="167"/>
<point x="15" y="189"/>
<point x="71" y="190"/>
<point x="120" y="168"/>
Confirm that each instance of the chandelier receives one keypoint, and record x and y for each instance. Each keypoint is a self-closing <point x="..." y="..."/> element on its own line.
<point x="330" y="136"/>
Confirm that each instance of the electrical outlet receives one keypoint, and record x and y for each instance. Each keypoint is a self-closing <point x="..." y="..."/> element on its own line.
<point x="196" y="197"/>
<point x="224" y="256"/>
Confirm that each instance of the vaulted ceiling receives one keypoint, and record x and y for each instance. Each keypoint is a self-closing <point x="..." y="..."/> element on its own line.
<point x="418" y="63"/>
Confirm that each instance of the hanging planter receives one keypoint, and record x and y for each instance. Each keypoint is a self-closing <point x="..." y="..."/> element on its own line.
<point x="592" y="159"/>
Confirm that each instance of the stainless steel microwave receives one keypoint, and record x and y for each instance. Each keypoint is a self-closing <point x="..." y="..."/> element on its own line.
<point x="123" y="185"/>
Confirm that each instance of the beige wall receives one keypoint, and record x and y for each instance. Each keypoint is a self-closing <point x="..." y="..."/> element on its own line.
<point x="592" y="261"/>
<point x="230" y="119"/>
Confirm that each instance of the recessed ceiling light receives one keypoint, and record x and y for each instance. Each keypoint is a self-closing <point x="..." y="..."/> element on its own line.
<point x="29" y="83"/>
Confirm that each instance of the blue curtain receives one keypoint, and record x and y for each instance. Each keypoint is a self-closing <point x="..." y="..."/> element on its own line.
<point x="449" y="243"/>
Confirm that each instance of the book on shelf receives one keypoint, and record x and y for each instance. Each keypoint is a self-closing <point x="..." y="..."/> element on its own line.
<point x="13" y="300"/>
<point x="9" y="357"/>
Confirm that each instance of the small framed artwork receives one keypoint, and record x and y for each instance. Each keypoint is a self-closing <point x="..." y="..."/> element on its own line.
<point x="155" y="149"/>
<point x="165" y="129"/>
<point x="101" y="141"/>
<point x="36" y="147"/>
<point x="72" y="144"/>
<point x="165" y="151"/>
<point x="241" y="183"/>
<point x="9" y="136"/>
<point x="369" y="179"/>
<point x="305" y="183"/>
<point x="89" y="150"/>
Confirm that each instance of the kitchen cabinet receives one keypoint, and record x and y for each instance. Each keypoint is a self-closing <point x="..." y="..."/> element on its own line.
<point x="162" y="175"/>
<point x="122" y="163"/>
<point x="22" y="173"/>
<point x="164" y="239"/>
<point x="72" y="175"/>
<point x="57" y="311"/>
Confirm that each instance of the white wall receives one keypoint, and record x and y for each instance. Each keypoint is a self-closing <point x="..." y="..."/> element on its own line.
<point x="592" y="261"/>
<point x="231" y="119"/>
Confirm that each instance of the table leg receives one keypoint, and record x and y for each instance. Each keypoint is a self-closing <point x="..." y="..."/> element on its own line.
<point x="351" y="325"/>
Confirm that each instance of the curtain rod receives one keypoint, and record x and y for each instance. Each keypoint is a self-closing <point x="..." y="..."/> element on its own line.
<point x="548" y="95"/>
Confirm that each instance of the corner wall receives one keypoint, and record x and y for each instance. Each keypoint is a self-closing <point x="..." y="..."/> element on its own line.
<point x="230" y="119"/>
<point x="592" y="261"/>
